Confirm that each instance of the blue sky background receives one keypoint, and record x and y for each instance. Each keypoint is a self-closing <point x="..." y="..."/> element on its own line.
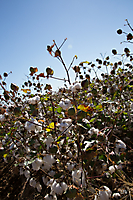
<point x="28" y="26"/>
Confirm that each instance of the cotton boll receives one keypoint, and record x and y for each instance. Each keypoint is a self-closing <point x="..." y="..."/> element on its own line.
<point x="70" y="166"/>
<point x="65" y="103"/>
<point x="112" y="168"/>
<point x="104" y="194"/>
<point x="48" y="160"/>
<point x="51" y="173"/>
<point x="21" y="171"/>
<point x="88" y="144"/>
<point x="33" y="125"/>
<point x="30" y="126"/>
<point x="50" y="182"/>
<point x="93" y="131"/>
<point x="34" y="100"/>
<point x="58" y="189"/>
<point x="76" y="87"/>
<point x="27" y="173"/>
<point x="48" y="141"/>
<point x="120" y="144"/>
<point x="53" y="186"/>
<point x="70" y="154"/>
<point x="2" y="118"/>
<point x="32" y="182"/>
<point x="116" y="195"/>
<point x="64" y="186"/>
<point x="37" y="164"/>
<point x="50" y="197"/>
<point x="45" y="180"/>
<point x="76" y="177"/>
<point x="38" y="186"/>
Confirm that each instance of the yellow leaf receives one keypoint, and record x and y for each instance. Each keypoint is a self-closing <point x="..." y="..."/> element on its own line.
<point x="76" y="56"/>
<point x="26" y="90"/>
<point x="5" y="155"/>
<point x="51" y="126"/>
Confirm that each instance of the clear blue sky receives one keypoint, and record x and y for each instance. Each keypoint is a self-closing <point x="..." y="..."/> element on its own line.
<point x="28" y="26"/>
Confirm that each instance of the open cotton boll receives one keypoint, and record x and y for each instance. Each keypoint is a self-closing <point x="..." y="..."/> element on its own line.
<point x="70" y="166"/>
<point x="48" y="160"/>
<point x="30" y="126"/>
<point x="50" y="197"/>
<point x="64" y="186"/>
<point x="48" y="141"/>
<point x="104" y="194"/>
<point x="34" y="100"/>
<point x="27" y="173"/>
<point x="45" y="180"/>
<point x="120" y="144"/>
<point x="58" y="189"/>
<point x="53" y="186"/>
<point x="21" y="171"/>
<point x="76" y="177"/>
<point x="38" y="187"/>
<point x="88" y="144"/>
<point x="76" y="87"/>
<point x="33" y="125"/>
<point x="2" y="118"/>
<point x="93" y="131"/>
<point x="51" y="173"/>
<point x="65" y="103"/>
<point x="116" y="195"/>
<point x="32" y="182"/>
<point x="37" y="164"/>
<point x="113" y="168"/>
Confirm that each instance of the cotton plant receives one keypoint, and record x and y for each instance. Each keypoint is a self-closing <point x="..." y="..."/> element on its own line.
<point x="52" y="143"/>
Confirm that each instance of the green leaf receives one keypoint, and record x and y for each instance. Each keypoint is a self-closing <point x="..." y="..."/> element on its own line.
<point x="58" y="175"/>
<point x="92" y="120"/>
<point x="71" y="193"/>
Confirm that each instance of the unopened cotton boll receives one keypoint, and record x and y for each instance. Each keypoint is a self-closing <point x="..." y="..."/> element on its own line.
<point x="32" y="182"/>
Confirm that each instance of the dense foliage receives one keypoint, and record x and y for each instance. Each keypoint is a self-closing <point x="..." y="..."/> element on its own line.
<point x="75" y="143"/>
